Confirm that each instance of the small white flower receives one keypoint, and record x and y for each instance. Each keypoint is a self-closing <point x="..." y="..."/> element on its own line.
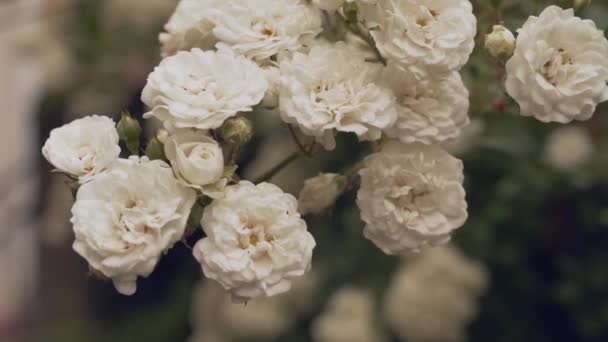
<point x="411" y="196"/>
<point x="319" y="193"/>
<point x="84" y="147"/>
<point x="190" y="26"/>
<point x="127" y="217"/>
<point x="434" y="297"/>
<point x="429" y="36"/>
<point x="260" y="29"/>
<point x="332" y="89"/>
<point x="568" y="148"/>
<point x="349" y="317"/>
<point x="201" y="90"/>
<point x="560" y="67"/>
<point x="256" y="241"/>
<point x="500" y="42"/>
<point x="429" y="110"/>
<point x="197" y="161"/>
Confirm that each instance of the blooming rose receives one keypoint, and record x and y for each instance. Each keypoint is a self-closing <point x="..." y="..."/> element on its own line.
<point x="434" y="297"/>
<point x="127" y="217"/>
<point x="260" y="29"/>
<point x="560" y="67"/>
<point x="433" y="36"/>
<point x="332" y="89"/>
<point x="199" y="89"/>
<point x="256" y="241"/>
<point x="568" y="148"/>
<point x="84" y="147"/>
<point x="348" y="318"/>
<point x="197" y="161"/>
<point x="190" y="26"/>
<point x="411" y="196"/>
<point x="319" y="193"/>
<point x="429" y="110"/>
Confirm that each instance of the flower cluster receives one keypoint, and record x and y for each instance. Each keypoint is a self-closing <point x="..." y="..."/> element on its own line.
<point x="385" y="72"/>
<point x="433" y="297"/>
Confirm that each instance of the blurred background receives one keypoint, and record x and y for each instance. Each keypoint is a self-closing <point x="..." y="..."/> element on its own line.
<point x="530" y="264"/>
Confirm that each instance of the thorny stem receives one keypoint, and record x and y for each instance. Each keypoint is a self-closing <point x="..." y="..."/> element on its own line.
<point x="297" y="141"/>
<point x="277" y="168"/>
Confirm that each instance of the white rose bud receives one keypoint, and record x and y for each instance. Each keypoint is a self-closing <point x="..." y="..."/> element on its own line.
<point x="84" y="147"/>
<point x="580" y="4"/>
<point x="568" y="148"/>
<point x="500" y="42"/>
<point x="196" y="158"/>
<point x="319" y="193"/>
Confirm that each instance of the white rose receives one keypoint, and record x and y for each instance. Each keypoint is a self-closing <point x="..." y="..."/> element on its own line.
<point x="568" y="148"/>
<point x="201" y="90"/>
<point x="500" y="42"/>
<point x="349" y="317"/>
<point x="429" y="110"/>
<point x="260" y="29"/>
<point x="319" y="193"/>
<point x="434" y="297"/>
<point x="332" y="89"/>
<point x="84" y="147"/>
<point x="197" y="161"/>
<point x="127" y="217"/>
<point x="190" y="26"/>
<point x="431" y="36"/>
<point x="560" y="67"/>
<point x="256" y="241"/>
<point x="411" y="196"/>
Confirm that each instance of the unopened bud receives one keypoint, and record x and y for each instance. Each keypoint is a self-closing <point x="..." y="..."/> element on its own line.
<point x="237" y="131"/>
<point x="155" y="149"/>
<point x="500" y="43"/>
<point x="580" y="4"/>
<point x="129" y="131"/>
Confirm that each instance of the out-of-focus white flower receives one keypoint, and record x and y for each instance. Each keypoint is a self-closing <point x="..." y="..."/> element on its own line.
<point x="84" y="147"/>
<point x="332" y="89"/>
<point x="560" y="67"/>
<point x="127" y="217"/>
<point x="468" y="139"/>
<point x="273" y="76"/>
<point x="429" y="110"/>
<point x="256" y="241"/>
<point x="190" y="26"/>
<point x="319" y="193"/>
<point x="411" y="196"/>
<point x="568" y="148"/>
<point x="349" y="317"/>
<point x="433" y="36"/>
<point x="500" y="42"/>
<point x="261" y="319"/>
<point x="197" y="161"/>
<point x="260" y="29"/>
<point x="433" y="297"/>
<point x="201" y="90"/>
